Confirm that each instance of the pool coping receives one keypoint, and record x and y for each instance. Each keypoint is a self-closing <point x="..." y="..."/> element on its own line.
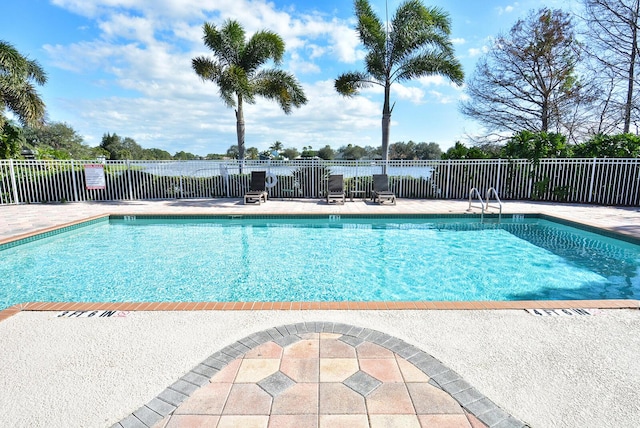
<point x="254" y="306"/>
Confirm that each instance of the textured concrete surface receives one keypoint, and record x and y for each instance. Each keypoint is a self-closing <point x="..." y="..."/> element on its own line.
<point x="565" y="371"/>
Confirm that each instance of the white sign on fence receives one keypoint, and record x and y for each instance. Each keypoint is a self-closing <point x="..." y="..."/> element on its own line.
<point x="94" y="176"/>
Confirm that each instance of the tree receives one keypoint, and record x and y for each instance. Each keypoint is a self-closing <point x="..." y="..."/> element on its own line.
<point x="61" y="138"/>
<point x="528" y="78"/>
<point x="182" y="155"/>
<point x="237" y="70"/>
<point x="613" y="43"/>
<point x="326" y="153"/>
<point x="17" y="92"/>
<point x="156" y="154"/>
<point x="276" y="147"/>
<point x="373" y="152"/>
<point x="265" y="155"/>
<point x="290" y="153"/>
<point x="121" y="148"/>
<point x="11" y="140"/>
<point x="402" y="150"/>
<point x="414" y="44"/>
<point x="428" y="151"/>
<point x="308" y="152"/>
<point x="460" y="151"/>
<point x="252" y="153"/>
<point x="214" y="156"/>
<point x="351" y="152"/>
<point x="232" y="152"/>
<point x="609" y="146"/>
<point x="536" y="145"/>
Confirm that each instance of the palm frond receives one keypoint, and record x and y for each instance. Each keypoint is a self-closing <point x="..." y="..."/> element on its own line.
<point x="416" y="27"/>
<point x="206" y="68"/>
<point x="17" y="93"/>
<point x="36" y="72"/>
<point x="229" y="80"/>
<point x="280" y="86"/>
<point x="370" y="29"/>
<point x="24" y="101"/>
<point x="349" y="84"/>
<point x="431" y="63"/>
<point x="262" y="47"/>
<point x="226" y="42"/>
<point x="376" y="65"/>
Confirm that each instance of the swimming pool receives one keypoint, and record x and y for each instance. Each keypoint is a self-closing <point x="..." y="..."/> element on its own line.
<point x="318" y="259"/>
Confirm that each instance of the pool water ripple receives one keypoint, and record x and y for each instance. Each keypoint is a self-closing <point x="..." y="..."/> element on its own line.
<point x="317" y="260"/>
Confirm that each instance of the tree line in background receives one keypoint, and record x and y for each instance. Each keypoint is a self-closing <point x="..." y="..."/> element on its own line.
<point x="60" y="141"/>
<point x="540" y="145"/>
<point x="556" y="85"/>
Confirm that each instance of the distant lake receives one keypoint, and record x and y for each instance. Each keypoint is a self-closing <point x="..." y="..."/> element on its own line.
<point x="209" y="169"/>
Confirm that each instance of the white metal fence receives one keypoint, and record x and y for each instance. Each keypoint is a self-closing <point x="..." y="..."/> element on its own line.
<point x="597" y="181"/>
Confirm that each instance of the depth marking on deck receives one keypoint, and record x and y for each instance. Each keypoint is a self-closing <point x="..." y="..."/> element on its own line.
<point x="562" y="312"/>
<point x="93" y="314"/>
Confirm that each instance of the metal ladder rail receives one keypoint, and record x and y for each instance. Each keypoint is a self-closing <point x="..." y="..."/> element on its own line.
<point x="497" y="198"/>
<point x="482" y="205"/>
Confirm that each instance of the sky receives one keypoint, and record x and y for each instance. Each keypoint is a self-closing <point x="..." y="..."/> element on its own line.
<point x="124" y="67"/>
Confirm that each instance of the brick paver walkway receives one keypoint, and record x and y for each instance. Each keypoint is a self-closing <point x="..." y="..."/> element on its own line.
<point x="315" y="375"/>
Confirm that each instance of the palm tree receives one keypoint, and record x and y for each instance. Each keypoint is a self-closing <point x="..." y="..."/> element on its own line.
<point x="414" y="44"/>
<point x="236" y="69"/>
<point x="17" y="92"/>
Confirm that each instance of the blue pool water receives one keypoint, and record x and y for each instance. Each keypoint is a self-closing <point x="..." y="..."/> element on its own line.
<point x="357" y="259"/>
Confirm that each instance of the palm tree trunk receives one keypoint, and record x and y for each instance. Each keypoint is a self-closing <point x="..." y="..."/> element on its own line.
<point x="240" y="128"/>
<point x="386" y="121"/>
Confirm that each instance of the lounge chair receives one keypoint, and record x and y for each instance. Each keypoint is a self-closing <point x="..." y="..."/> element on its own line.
<point x="335" y="193"/>
<point x="381" y="192"/>
<point x="257" y="188"/>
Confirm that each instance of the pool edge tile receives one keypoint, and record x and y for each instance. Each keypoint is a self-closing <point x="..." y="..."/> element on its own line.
<point x="52" y="229"/>
<point x="321" y="306"/>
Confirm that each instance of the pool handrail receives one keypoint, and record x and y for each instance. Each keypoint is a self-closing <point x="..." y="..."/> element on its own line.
<point x="477" y="193"/>
<point x="497" y="198"/>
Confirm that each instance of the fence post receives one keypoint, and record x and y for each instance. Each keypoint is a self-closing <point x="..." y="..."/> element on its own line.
<point x="448" y="178"/>
<point x="593" y="175"/>
<point x="13" y="182"/>
<point x="73" y="178"/>
<point x="531" y="176"/>
<point x="129" y="181"/>
<point x="497" y="185"/>
<point x="315" y="171"/>
<point x="401" y="187"/>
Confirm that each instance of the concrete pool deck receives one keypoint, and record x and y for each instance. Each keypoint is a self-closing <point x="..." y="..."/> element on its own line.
<point x="543" y="371"/>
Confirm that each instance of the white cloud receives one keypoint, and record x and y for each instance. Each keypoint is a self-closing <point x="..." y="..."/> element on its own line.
<point x="299" y="65"/>
<point x="474" y="52"/>
<point x="507" y="9"/>
<point x="128" y="27"/>
<point x="442" y="98"/>
<point x="432" y="80"/>
<point x="345" y="44"/>
<point x="458" y="41"/>
<point x="413" y="94"/>
<point x="437" y="80"/>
